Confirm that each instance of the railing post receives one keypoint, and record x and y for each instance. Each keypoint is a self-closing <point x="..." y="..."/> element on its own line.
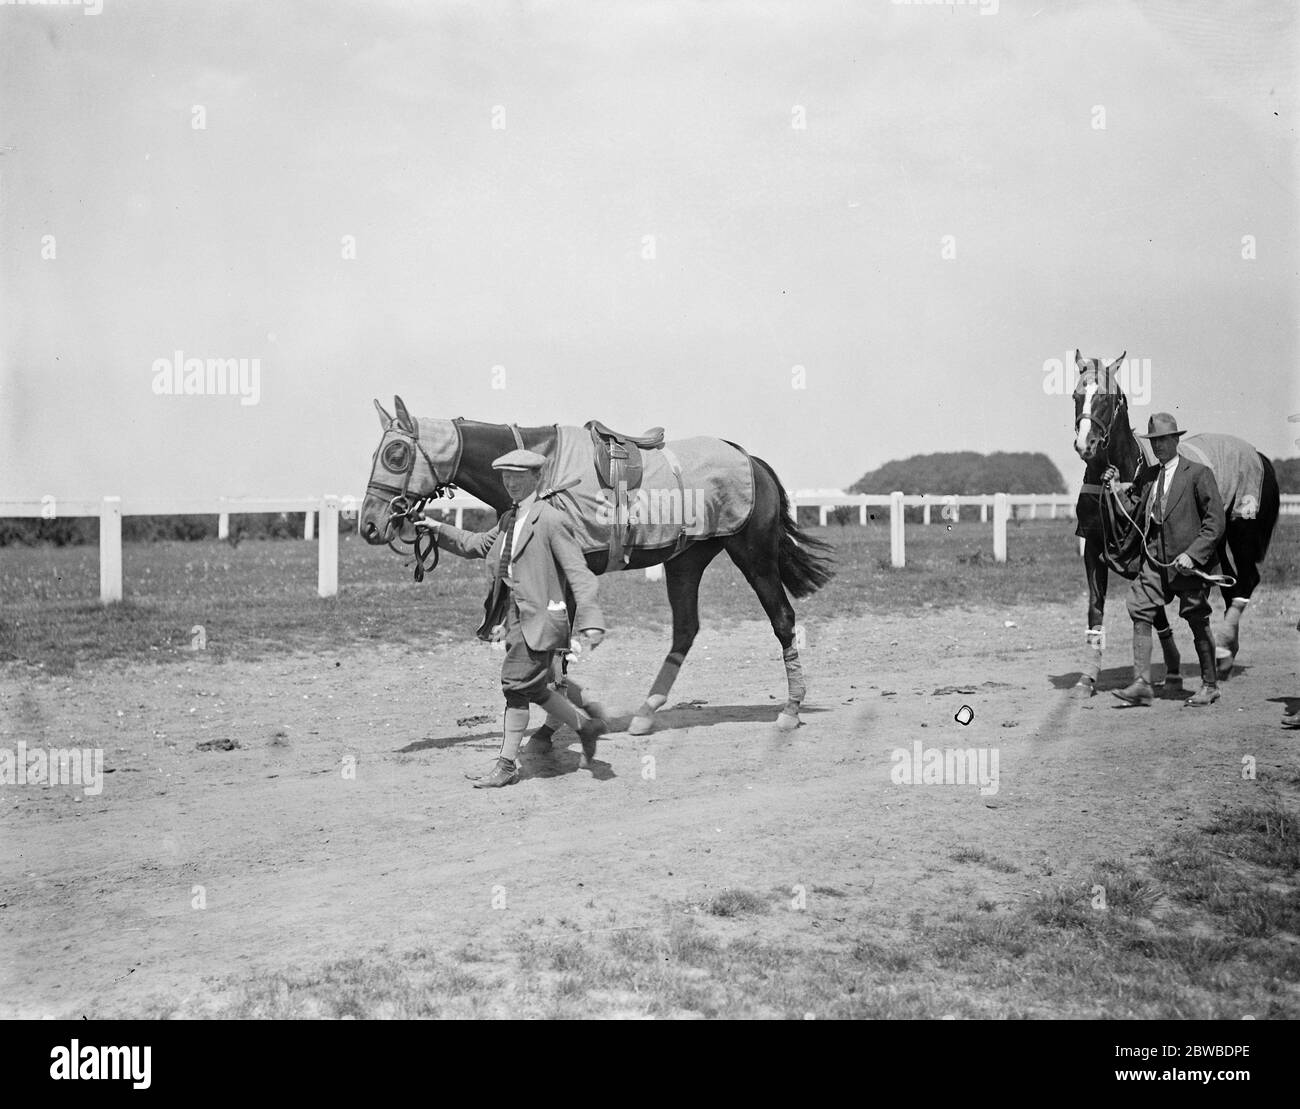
<point x="925" y="512"/>
<point x="821" y="514"/>
<point x="984" y="510"/>
<point x="460" y="517"/>
<point x="862" y="511"/>
<point x="110" y="550"/>
<point x="1001" y="510"/>
<point x="223" y="525"/>
<point x="897" y="554"/>
<point x="327" y="561"/>
<point x="309" y="525"/>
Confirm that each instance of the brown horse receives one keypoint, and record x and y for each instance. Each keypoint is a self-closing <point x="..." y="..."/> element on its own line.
<point x="1103" y="438"/>
<point x="418" y="460"/>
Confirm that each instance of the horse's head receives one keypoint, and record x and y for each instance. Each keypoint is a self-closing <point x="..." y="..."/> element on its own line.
<point x="405" y="472"/>
<point x="1098" y="402"/>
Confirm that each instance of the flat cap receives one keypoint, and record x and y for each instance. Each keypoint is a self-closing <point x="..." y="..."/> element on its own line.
<point x="520" y="460"/>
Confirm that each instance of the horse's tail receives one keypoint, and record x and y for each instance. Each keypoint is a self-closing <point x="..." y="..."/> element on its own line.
<point x="805" y="562"/>
<point x="1270" y="506"/>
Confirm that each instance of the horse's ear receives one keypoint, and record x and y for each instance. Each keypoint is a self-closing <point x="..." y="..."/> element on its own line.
<point x="384" y="418"/>
<point x="1116" y="364"/>
<point x="1079" y="360"/>
<point x="403" y="416"/>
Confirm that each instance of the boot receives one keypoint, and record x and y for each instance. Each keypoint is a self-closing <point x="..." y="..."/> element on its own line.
<point x="1140" y="692"/>
<point x="587" y="728"/>
<point x="1209" y="691"/>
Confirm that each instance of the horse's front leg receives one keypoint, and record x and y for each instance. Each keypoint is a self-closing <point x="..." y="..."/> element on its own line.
<point x="683" y="575"/>
<point x="1098" y="575"/>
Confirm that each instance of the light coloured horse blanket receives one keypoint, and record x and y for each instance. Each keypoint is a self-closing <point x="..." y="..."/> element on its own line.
<point x="714" y="498"/>
<point x="1237" y="468"/>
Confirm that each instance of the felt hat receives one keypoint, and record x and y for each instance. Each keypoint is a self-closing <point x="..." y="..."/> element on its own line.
<point x="1161" y="424"/>
<point x="520" y="460"/>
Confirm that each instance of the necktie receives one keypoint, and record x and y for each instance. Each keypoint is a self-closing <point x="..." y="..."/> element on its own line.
<point x="508" y="542"/>
<point x="1159" y="498"/>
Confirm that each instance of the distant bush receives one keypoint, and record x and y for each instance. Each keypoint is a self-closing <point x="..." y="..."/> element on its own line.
<point x="1288" y="474"/>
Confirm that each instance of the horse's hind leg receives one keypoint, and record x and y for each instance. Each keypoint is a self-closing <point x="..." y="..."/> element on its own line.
<point x="766" y="582"/>
<point x="683" y="575"/>
<point x="1242" y="544"/>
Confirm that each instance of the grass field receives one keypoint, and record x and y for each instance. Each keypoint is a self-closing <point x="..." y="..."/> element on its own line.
<point x="1126" y="870"/>
<point x="260" y="597"/>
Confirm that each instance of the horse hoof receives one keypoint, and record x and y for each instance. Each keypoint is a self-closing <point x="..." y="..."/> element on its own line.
<point x="787" y="722"/>
<point x="1081" y="691"/>
<point x="641" y="725"/>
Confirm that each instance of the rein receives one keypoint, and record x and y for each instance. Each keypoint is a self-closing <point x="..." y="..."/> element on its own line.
<point x="1226" y="581"/>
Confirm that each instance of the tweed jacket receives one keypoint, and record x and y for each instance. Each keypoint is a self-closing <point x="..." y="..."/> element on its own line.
<point x="546" y="559"/>
<point x="1194" y="521"/>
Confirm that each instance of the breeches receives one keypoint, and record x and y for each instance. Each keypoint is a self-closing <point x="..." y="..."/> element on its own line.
<point x="526" y="674"/>
<point x="1154" y="588"/>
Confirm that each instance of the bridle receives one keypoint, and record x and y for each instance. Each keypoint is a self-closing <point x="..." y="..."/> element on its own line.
<point x="405" y="507"/>
<point x="1121" y="405"/>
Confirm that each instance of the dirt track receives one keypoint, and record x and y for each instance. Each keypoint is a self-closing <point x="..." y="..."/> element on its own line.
<point x="299" y="864"/>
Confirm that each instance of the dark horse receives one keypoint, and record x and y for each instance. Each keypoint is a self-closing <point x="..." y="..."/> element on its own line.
<point x="770" y="550"/>
<point x="1103" y="437"/>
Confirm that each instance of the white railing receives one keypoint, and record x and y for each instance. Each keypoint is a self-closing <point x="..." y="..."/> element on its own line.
<point x="1002" y="505"/>
<point x="110" y="511"/>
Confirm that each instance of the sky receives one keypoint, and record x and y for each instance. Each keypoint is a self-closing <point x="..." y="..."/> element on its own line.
<point x="835" y="233"/>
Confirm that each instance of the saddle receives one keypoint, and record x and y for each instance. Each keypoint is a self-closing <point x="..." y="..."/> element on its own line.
<point x="620" y="468"/>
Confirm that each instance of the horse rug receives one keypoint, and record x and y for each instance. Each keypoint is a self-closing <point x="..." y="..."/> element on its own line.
<point x="699" y="488"/>
<point x="1238" y="470"/>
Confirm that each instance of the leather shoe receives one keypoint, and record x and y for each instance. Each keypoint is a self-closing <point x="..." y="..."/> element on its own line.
<point x="1206" y="695"/>
<point x="1139" y="693"/>
<point x="1291" y="720"/>
<point x="498" y="776"/>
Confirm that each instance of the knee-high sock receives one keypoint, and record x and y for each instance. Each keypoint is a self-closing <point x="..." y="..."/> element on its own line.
<point x="512" y="732"/>
<point x="573" y="691"/>
<point x="564" y="710"/>
<point x="1142" y="652"/>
